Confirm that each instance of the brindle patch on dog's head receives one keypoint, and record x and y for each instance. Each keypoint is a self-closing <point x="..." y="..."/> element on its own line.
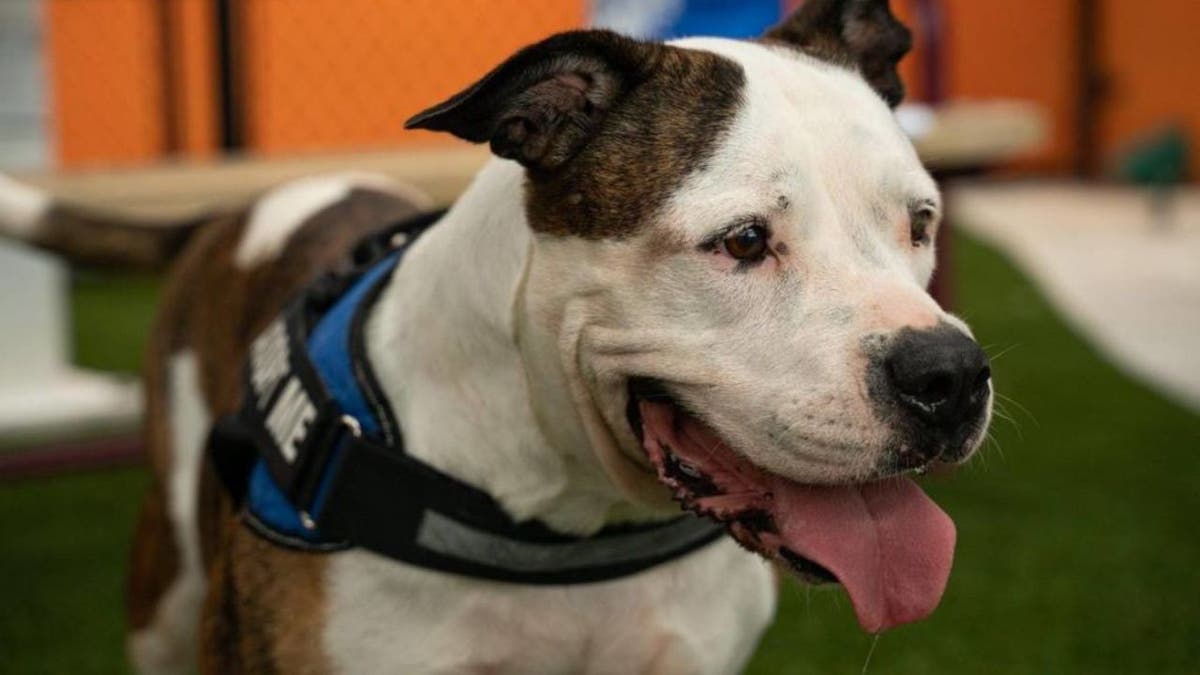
<point x="665" y="129"/>
<point x="607" y="126"/>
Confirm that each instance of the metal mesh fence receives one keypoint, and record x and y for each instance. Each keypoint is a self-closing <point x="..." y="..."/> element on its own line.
<point x="133" y="80"/>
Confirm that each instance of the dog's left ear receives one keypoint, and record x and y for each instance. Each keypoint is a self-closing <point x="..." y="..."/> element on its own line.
<point x="861" y="33"/>
<point x="546" y="101"/>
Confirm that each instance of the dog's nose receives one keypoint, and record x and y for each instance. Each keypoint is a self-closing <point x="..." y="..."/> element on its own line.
<point x="939" y="375"/>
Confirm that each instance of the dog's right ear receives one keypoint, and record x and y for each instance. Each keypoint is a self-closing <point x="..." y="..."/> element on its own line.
<point x="862" y="33"/>
<point x="545" y="102"/>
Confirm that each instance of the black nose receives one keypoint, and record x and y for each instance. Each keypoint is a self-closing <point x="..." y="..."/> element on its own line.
<point x="939" y="375"/>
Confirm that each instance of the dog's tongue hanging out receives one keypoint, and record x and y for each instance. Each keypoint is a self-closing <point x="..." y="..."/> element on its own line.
<point x="886" y="542"/>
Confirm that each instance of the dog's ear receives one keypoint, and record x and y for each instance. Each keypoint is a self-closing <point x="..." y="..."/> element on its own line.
<point x="543" y="104"/>
<point x="861" y="33"/>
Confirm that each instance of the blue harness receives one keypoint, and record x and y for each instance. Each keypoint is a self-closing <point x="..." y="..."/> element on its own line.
<point x="329" y="352"/>
<point x="317" y="461"/>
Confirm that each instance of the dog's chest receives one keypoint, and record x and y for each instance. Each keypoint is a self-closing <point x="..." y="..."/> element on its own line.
<point x="702" y="614"/>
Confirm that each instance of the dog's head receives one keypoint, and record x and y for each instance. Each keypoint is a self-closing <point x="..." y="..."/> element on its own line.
<point x="733" y="244"/>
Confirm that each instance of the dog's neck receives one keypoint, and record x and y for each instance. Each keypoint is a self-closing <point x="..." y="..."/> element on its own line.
<point x="443" y="338"/>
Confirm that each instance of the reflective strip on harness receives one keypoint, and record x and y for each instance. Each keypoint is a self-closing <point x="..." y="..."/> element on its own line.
<point x="452" y="538"/>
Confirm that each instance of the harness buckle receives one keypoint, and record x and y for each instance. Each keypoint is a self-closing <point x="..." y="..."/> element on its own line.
<point x="305" y="491"/>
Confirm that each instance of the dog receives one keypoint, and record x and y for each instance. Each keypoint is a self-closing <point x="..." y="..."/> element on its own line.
<point x="694" y="275"/>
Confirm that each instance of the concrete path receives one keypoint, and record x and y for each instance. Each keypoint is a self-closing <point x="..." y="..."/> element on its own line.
<point x="1128" y="282"/>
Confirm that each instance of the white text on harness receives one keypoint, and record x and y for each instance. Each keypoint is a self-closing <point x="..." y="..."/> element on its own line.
<point x="289" y="419"/>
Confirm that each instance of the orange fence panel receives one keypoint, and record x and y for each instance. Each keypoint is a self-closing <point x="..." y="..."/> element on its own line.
<point x="347" y="73"/>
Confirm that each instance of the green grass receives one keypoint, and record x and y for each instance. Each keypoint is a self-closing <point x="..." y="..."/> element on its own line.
<point x="63" y="548"/>
<point x="111" y="316"/>
<point x="1079" y="550"/>
<point x="64" y="541"/>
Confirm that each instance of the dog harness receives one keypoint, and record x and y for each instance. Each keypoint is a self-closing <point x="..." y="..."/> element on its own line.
<point x="316" y="461"/>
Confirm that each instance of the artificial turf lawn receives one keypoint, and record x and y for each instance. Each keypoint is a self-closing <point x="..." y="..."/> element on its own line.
<point x="112" y="314"/>
<point x="1079" y="550"/>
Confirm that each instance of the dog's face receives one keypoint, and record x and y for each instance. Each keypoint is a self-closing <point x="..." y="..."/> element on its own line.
<point x="734" y="240"/>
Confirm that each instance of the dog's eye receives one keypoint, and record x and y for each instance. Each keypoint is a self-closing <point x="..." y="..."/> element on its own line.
<point x="920" y="222"/>
<point x="748" y="244"/>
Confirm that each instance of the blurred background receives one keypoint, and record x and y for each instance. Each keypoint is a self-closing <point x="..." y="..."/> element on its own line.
<point x="1061" y="130"/>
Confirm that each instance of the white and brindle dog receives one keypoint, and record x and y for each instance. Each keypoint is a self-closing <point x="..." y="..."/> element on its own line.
<point x="696" y="274"/>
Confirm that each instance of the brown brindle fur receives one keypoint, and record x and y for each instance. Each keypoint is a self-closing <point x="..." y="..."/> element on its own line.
<point x="265" y="608"/>
<point x="154" y="560"/>
<point x="606" y="125"/>
<point x="253" y="621"/>
<point x="664" y="129"/>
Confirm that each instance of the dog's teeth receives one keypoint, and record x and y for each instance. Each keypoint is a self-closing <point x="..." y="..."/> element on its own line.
<point x="687" y="468"/>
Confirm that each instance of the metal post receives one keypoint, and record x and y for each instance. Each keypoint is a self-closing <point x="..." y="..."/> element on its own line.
<point x="229" y="97"/>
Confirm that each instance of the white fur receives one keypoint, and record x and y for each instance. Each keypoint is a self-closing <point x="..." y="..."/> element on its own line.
<point x="444" y="338"/>
<point x="504" y="356"/>
<point x="21" y="208"/>
<point x="813" y="136"/>
<point x="848" y="171"/>
<point x="168" y="644"/>
<point x="278" y="214"/>
<point x="385" y="617"/>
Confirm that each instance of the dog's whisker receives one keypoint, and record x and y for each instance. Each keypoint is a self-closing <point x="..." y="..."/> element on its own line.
<point x="870" y="653"/>
<point x="993" y="442"/>
<point x="1000" y="412"/>
<point x="1018" y="406"/>
<point x="1002" y="352"/>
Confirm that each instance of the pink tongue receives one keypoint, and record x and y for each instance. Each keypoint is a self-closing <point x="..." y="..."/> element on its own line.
<point x="887" y="543"/>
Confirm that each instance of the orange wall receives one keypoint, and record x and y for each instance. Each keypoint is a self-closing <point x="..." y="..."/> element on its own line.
<point x="1025" y="50"/>
<point x="1151" y="54"/>
<point x="317" y="73"/>
<point x="106" y="72"/>
<point x="1002" y="48"/>
<point x="103" y="77"/>
<point x="194" y="66"/>
<point x="347" y="73"/>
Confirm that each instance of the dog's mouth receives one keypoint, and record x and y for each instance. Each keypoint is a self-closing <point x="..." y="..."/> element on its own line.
<point x="885" y="541"/>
